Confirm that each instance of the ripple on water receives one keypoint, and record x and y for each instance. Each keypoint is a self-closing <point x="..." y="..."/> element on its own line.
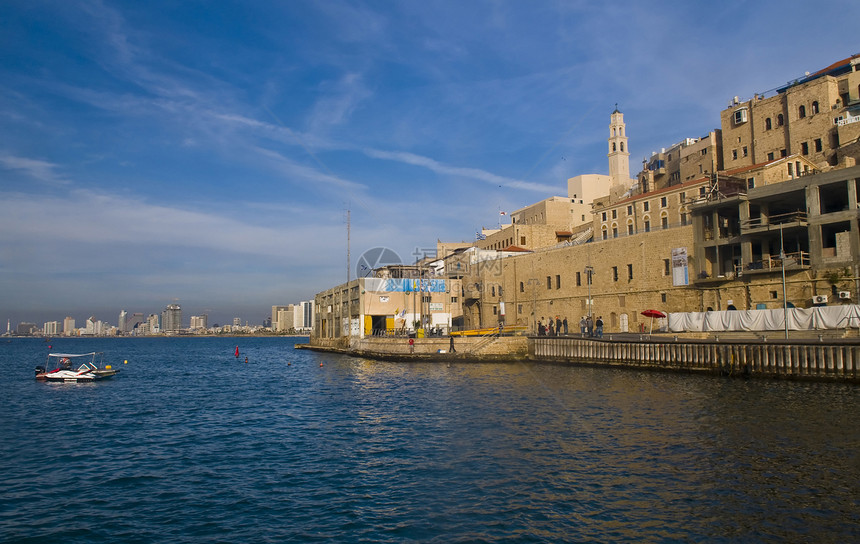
<point x="189" y="445"/>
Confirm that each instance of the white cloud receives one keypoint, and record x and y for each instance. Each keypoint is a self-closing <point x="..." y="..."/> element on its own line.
<point x="456" y="171"/>
<point x="39" y="170"/>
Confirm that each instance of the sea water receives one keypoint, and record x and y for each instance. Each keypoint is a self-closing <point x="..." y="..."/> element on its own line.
<point x="191" y="444"/>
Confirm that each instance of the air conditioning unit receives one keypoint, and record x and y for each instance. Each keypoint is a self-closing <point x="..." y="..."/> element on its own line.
<point x="844" y="295"/>
<point x="819" y="299"/>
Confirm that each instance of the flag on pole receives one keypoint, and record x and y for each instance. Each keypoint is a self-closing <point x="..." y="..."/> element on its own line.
<point x="480" y="236"/>
<point x="502" y="213"/>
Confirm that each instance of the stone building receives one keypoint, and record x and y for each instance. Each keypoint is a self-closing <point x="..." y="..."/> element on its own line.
<point x="712" y="223"/>
<point x="815" y="116"/>
<point x="685" y="161"/>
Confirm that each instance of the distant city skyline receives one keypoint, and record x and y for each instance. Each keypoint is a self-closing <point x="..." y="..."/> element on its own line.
<point x="209" y="152"/>
<point x="114" y="320"/>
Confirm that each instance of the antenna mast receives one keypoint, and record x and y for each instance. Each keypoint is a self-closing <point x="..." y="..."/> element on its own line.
<point x="348" y="276"/>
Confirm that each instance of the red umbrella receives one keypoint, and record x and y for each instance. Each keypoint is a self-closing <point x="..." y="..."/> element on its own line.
<point x="652" y="314"/>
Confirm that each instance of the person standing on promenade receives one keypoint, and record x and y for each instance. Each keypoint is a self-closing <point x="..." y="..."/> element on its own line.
<point x="551" y="327"/>
<point x="557" y="326"/>
<point x="564" y="323"/>
<point x="541" y="330"/>
<point x="589" y="325"/>
<point x="451" y="348"/>
<point x="599" y="326"/>
<point x="582" y="326"/>
<point x="411" y="345"/>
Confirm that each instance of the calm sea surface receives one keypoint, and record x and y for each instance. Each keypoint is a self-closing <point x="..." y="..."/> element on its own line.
<point x="189" y="444"/>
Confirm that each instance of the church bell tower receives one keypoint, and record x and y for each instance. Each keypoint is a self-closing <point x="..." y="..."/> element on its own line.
<point x="619" y="156"/>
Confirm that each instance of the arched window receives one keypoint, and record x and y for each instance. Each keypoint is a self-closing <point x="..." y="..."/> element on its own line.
<point x="767" y="124"/>
<point x="604" y="231"/>
<point x="815" y="107"/>
<point x="801" y="111"/>
<point x="622" y="146"/>
<point x="613" y="146"/>
<point x="779" y="120"/>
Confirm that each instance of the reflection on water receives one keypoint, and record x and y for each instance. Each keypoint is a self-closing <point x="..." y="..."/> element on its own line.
<point x="189" y="444"/>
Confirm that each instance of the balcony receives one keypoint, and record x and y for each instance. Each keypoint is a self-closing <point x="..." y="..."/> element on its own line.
<point x="774" y="222"/>
<point x="772" y="263"/>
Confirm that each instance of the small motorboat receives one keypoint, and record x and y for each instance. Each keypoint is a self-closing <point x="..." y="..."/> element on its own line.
<point x="75" y="367"/>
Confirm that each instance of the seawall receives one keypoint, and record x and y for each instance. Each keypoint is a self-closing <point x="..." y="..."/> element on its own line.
<point x="800" y="359"/>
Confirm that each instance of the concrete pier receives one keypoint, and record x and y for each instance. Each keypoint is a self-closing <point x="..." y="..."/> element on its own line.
<point x="792" y="360"/>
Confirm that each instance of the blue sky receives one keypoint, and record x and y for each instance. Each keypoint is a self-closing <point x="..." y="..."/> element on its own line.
<point x="208" y="151"/>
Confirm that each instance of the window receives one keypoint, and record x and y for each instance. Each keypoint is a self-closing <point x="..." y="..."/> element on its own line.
<point x="500" y="290"/>
<point x="603" y="216"/>
<point x="801" y="111"/>
<point x="745" y="151"/>
<point x="613" y="146"/>
<point x="750" y="183"/>
<point x="614" y="214"/>
<point x="519" y="308"/>
<point x="647" y="226"/>
<point x="629" y="272"/>
<point x="629" y="228"/>
<point x="522" y="287"/>
<point x="790" y="170"/>
<point x="454" y="299"/>
<point x="666" y="270"/>
<point x="558" y="281"/>
<point x="664" y="201"/>
<point x="780" y="120"/>
<point x="705" y="151"/>
<point x="493" y="290"/>
<point x="818" y="145"/>
<point x="734" y="154"/>
<point x="605" y="234"/>
<point x="495" y="310"/>
<point x="770" y="156"/>
<point x="683" y="218"/>
<point x="615" y="231"/>
<point x="804" y="148"/>
<point x="549" y="282"/>
<point x="614" y="273"/>
<point x="774" y="295"/>
<point x="682" y="196"/>
<point x="740" y="116"/>
<point x="629" y="210"/>
<point x="578" y="279"/>
<point x="782" y="153"/>
<point x="664" y="222"/>
<point x="814" y="107"/>
<point x="662" y="297"/>
<point x="767" y="124"/>
<point x="622" y="146"/>
<point x="645" y="206"/>
<point x="702" y="191"/>
<point x="700" y="168"/>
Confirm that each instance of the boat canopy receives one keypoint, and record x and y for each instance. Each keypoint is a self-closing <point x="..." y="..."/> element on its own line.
<point x="70" y="355"/>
